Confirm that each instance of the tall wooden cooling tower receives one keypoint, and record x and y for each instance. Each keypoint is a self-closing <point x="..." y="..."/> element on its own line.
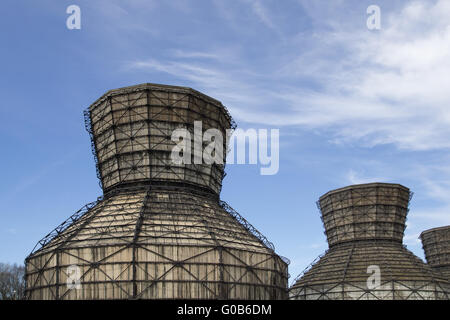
<point x="366" y="259"/>
<point x="160" y="230"/>
<point x="436" y="244"/>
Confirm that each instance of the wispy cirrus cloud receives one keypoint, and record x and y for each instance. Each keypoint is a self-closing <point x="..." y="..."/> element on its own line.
<point x="353" y="86"/>
<point x="386" y="87"/>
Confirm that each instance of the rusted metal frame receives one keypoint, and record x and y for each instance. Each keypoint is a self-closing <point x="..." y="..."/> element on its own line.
<point x="75" y="232"/>
<point x="174" y="222"/>
<point x="269" y="257"/>
<point x="412" y="291"/>
<point x="158" y="244"/>
<point x="238" y="281"/>
<point x="221" y="107"/>
<point x="103" y="148"/>
<point x="327" y="291"/>
<point x="247" y="225"/>
<point x="163" y="185"/>
<point x="64" y="225"/>
<point x="163" y="168"/>
<point x="121" y="238"/>
<point x="110" y="233"/>
<point x="144" y="271"/>
<point x="184" y="262"/>
<point x="208" y="250"/>
<point x="169" y="260"/>
<point x="104" y="140"/>
<point x="95" y="265"/>
<point x="128" y="137"/>
<point x="50" y="243"/>
<point x="433" y="279"/>
<point x="122" y="209"/>
<point x="235" y="236"/>
<point x="112" y="281"/>
<point x="155" y="281"/>
<point x="280" y="260"/>
<point x="54" y="291"/>
<point x="189" y="91"/>
<point x="88" y="126"/>
<point x="218" y="230"/>
<point x="202" y="239"/>
<point x="135" y="238"/>
<point x="248" y="268"/>
<point x="172" y="281"/>
<point x="113" y="128"/>
<point x="171" y="105"/>
<point x="345" y="270"/>
<point x="149" y="136"/>
<point x="222" y="293"/>
<point x="164" y="139"/>
<point x="265" y="286"/>
<point x="167" y="227"/>
<point x="110" y="97"/>
<point x="150" y="123"/>
<point x="205" y="278"/>
<point x="135" y="165"/>
<point x="315" y="261"/>
<point x="197" y="171"/>
<point x="197" y="279"/>
<point x="51" y="287"/>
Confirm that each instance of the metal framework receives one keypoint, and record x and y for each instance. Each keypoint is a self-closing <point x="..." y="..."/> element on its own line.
<point x="436" y="244"/>
<point x="364" y="226"/>
<point x="131" y="130"/>
<point x="160" y="231"/>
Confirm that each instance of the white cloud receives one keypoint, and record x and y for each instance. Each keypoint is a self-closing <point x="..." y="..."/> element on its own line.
<point x="12" y="231"/>
<point x="389" y="86"/>
<point x="368" y="88"/>
<point x="262" y="13"/>
<point x="354" y="177"/>
<point x="438" y="216"/>
<point x="383" y="87"/>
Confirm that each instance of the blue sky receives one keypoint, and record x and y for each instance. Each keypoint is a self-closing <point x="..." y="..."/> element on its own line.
<point x="352" y="105"/>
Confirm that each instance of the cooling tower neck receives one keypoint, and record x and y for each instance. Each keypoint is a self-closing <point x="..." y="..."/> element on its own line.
<point x="374" y="211"/>
<point x="436" y="244"/>
<point x="164" y="186"/>
<point x="132" y="138"/>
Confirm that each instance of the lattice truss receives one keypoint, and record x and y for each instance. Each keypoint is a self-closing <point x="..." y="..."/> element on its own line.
<point x="157" y="243"/>
<point x="436" y="244"/>
<point x="364" y="225"/>
<point x="342" y="274"/>
<point x="365" y="213"/>
<point x="131" y="135"/>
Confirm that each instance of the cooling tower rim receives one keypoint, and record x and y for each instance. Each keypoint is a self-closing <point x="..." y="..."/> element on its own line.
<point x="163" y="87"/>
<point x="432" y="230"/>
<point x="363" y="186"/>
